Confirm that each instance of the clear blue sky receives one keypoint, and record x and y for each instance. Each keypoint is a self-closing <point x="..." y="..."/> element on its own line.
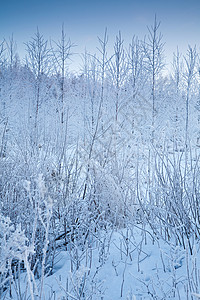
<point x="85" y="20"/>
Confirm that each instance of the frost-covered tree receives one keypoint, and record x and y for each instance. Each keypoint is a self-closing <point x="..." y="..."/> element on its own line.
<point x="11" y="47"/>
<point x="90" y="79"/>
<point x="61" y="55"/>
<point x="153" y="52"/>
<point x="136" y="65"/>
<point x="2" y="65"/>
<point x="177" y="77"/>
<point x="118" y="70"/>
<point x="190" y="73"/>
<point x="38" y="55"/>
<point x="103" y="62"/>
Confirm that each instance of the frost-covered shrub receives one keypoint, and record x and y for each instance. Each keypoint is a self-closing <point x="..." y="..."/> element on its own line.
<point x="107" y="199"/>
<point x="13" y="247"/>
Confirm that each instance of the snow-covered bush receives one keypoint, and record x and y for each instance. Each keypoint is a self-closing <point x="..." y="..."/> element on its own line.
<point x="13" y="249"/>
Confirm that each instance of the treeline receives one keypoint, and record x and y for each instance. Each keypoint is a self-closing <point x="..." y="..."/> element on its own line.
<point x="130" y="79"/>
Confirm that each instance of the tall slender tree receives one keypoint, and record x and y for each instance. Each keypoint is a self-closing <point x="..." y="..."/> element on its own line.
<point x="62" y="54"/>
<point x="38" y="60"/>
<point x="118" y="69"/>
<point x="103" y="64"/>
<point x="2" y="63"/>
<point x="11" y="46"/>
<point x="153" y="47"/>
<point x="177" y="75"/>
<point x="135" y="64"/>
<point x="190" y="73"/>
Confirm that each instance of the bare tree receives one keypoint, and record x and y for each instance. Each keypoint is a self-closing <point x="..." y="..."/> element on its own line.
<point x="153" y="51"/>
<point x="136" y="74"/>
<point x="190" y="72"/>
<point x="2" y="62"/>
<point x="61" y="55"/>
<point x="12" y="62"/>
<point x="135" y="64"/>
<point x="2" y="50"/>
<point x="198" y="105"/>
<point x="177" y="74"/>
<point x="39" y="63"/>
<point x="90" y="71"/>
<point x="118" y="69"/>
<point x="11" y="51"/>
<point x="103" y="63"/>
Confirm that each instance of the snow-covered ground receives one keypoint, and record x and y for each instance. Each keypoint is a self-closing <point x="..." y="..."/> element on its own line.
<point x="126" y="264"/>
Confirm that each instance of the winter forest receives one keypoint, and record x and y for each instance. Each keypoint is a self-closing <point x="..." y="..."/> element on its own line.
<point x="99" y="170"/>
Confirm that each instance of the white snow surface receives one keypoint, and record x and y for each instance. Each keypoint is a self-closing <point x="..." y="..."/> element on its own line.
<point x="126" y="264"/>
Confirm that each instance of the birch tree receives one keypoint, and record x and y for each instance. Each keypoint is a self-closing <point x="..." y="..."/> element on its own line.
<point x="153" y="51"/>
<point x="90" y="71"/>
<point x="190" y="72"/>
<point x="177" y="76"/>
<point x="62" y="54"/>
<point x="2" y="52"/>
<point x="2" y="62"/>
<point x="135" y="64"/>
<point x="118" y="69"/>
<point x="11" y="46"/>
<point x="38" y="61"/>
<point x="103" y="63"/>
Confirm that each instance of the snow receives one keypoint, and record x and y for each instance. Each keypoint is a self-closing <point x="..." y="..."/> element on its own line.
<point x="126" y="267"/>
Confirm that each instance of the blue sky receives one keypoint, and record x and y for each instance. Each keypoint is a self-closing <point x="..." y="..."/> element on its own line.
<point x="85" y="20"/>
